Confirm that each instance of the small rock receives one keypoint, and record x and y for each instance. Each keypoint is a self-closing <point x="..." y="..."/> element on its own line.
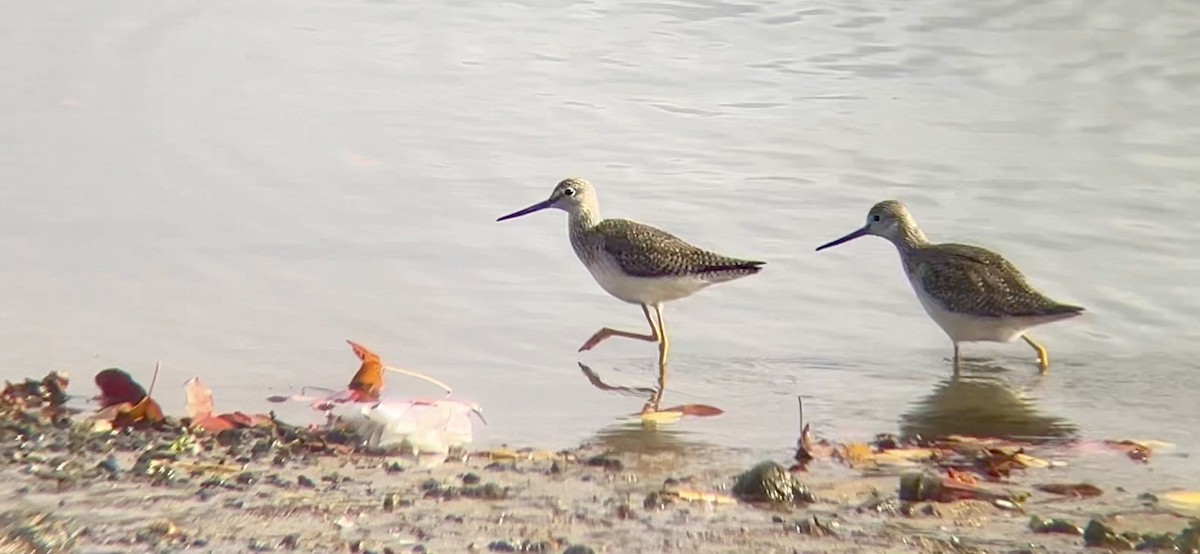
<point x="110" y="466"/>
<point x="770" y="482"/>
<point x="1053" y="525"/>
<point x="655" y="501"/>
<point x="1098" y="534"/>
<point x="395" y="467"/>
<point x="471" y="479"/>
<point x="501" y="546"/>
<point x="492" y="491"/>
<point x="418" y="549"/>
<point x="290" y="542"/>
<point x="607" y="462"/>
<point x="305" y="482"/>
<point x="389" y="501"/>
<point x="813" y="527"/>
<point x="579" y="549"/>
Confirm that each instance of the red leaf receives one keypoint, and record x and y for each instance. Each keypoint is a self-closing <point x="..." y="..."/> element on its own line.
<point x="117" y="387"/>
<point x="698" y="410"/>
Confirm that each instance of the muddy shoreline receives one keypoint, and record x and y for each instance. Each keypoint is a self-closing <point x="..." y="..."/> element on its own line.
<point x="76" y="485"/>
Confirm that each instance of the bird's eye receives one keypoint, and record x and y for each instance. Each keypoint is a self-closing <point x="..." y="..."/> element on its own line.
<point x="568" y="192"/>
<point x="875" y="217"/>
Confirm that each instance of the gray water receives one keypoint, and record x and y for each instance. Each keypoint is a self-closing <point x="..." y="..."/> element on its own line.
<point x="235" y="187"/>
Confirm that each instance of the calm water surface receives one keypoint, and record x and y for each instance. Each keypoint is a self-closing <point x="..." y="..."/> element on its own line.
<point x="234" y="188"/>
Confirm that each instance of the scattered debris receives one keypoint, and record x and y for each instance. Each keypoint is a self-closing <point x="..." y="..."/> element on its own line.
<point x="36" y="532"/>
<point x="925" y="486"/>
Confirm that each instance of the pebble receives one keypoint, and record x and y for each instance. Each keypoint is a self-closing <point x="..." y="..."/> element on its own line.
<point x="578" y="549"/>
<point x="290" y="542"/>
<point x="305" y="482"/>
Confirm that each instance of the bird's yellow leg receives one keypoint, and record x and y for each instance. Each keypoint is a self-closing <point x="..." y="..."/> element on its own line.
<point x="664" y="346"/>
<point x="608" y="332"/>
<point x="1043" y="356"/>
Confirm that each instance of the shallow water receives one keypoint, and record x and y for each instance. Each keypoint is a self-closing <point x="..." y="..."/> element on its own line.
<point x="234" y="188"/>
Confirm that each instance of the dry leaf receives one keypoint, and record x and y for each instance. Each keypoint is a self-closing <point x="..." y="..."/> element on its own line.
<point x="117" y="387"/>
<point x="146" y="411"/>
<point x="1030" y="461"/>
<point x="1081" y="490"/>
<point x="1138" y="450"/>
<point x="123" y="401"/>
<point x="698" y="410"/>
<point x="200" y="408"/>
<point x="1185" y="502"/>
<point x="368" y="381"/>
<point x="856" y="454"/>
<point x="904" y="456"/>
<point x="199" y="404"/>
<point x="698" y="496"/>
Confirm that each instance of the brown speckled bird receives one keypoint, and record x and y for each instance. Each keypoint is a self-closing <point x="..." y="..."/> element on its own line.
<point x="636" y="263"/>
<point x="973" y="294"/>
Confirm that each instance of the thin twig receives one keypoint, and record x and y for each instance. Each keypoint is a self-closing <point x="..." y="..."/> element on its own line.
<point x="800" y="401"/>
<point x="420" y="376"/>
<point x="154" y="379"/>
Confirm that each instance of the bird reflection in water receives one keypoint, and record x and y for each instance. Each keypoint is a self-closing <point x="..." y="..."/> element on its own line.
<point x="639" y="436"/>
<point x="980" y="403"/>
<point x="653" y="395"/>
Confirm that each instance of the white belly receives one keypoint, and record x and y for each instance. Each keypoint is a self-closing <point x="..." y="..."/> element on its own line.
<point x="642" y="290"/>
<point x="969" y="328"/>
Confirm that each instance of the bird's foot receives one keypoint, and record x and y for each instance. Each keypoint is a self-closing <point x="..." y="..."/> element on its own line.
<point x="599" y="337"/>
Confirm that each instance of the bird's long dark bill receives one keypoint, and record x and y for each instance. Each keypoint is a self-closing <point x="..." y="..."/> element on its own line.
<point x="847" y="238"/>
<point x="536" y="207"/>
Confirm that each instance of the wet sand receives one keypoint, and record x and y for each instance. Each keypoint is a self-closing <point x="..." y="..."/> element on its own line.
<point x="245" y="491"/>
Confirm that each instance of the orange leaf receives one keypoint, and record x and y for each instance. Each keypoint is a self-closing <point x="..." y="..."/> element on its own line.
<point x="146" y="411"/>
<point x="961" y="477"/>
<point x="368" y="381"/>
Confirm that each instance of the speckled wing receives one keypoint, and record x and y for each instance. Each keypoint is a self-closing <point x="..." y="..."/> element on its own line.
<point x="643" y="251"/>
<point x="971" y="280"/>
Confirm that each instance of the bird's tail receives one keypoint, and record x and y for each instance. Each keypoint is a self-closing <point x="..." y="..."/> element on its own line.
<point x="728" y="270"/>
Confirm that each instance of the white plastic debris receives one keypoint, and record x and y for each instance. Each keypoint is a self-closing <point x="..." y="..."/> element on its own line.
<point x="422" y="426"/>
